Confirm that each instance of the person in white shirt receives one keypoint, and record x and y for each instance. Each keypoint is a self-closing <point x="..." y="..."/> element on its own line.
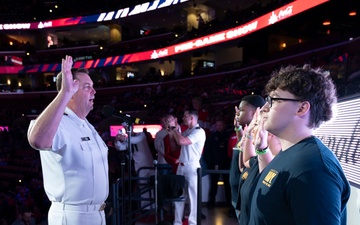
<point x="192" y="143"/>
<point x="159" y="141"/>
<point x="141" y="155"/>
<point x="73" y="155"/>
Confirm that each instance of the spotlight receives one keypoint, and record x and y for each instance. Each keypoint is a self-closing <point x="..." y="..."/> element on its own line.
<point x="326" y="23"/>
<point x="352" y="13"/>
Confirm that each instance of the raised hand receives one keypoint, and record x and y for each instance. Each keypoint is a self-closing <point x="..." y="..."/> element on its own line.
<point x="242" y="141"/>
<point x="261" y="136"/>
<point x="254" y="123"/>
<point x="120" y="137"/>
<point x="237" y="117"/>
<point x="68" y="83"/>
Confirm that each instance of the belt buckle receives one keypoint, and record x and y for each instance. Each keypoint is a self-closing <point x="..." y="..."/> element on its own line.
<point x="102" y="207"/>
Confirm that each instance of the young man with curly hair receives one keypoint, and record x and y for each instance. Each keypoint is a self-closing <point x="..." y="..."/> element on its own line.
<point x="304" y="183"/>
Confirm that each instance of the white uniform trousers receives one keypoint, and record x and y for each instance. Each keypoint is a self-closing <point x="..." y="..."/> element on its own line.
<point x="190" y="173"/>
<point x="61" y="214"/>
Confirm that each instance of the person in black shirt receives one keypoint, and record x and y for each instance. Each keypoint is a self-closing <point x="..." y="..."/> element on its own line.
<point x="243" y="116"/>
<point x="304" y="183"/>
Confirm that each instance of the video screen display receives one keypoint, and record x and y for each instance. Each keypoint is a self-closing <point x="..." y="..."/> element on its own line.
<point x="52" y="40"/>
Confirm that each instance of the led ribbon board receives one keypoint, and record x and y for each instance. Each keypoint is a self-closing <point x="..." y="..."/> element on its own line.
<point x="342" y="136"/>
<point x="268" y="19"/>
<point x="71" y="21"/>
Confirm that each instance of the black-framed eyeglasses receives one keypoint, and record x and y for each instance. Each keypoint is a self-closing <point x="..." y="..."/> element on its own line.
<point x="270" y="100"/>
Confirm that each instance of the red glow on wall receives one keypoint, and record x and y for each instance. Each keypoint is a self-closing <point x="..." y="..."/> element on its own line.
<point x="152" y="128"/>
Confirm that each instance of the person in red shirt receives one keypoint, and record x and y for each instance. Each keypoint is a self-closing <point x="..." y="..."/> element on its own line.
<point x="171" y="148"/>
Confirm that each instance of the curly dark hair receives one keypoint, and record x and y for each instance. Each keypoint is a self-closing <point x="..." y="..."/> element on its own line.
<point x="74" y="71"/>
<point x="307" y="84"/>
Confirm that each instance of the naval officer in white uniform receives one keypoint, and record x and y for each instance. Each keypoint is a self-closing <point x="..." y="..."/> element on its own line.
<point x="73" y="155"/>
<point x="192" y="143"/>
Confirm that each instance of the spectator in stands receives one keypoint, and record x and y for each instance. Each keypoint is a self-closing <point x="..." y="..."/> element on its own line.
<point x="25" y="217"/>
<point x="304" y="183"/>
<point x="50" y="42"/>
<point x="201" y="21"/>
<point x="73" y="155"/>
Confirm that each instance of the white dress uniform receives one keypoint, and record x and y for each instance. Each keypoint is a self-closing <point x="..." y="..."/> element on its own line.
<point x="142" y="157"/>
<point x="75" y="172"/>
<point x="189" y="161"/>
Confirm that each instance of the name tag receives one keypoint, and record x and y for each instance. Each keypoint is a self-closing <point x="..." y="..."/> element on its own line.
<point x="85" y="139"/>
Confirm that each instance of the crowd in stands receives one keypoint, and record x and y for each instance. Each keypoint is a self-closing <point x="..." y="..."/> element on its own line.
<point x="16" y="156"/>
<point x="219" y="94"/>
<point x="20" y="166"/>
<point x="220" y="89"/>
<point x="130" y="43"/>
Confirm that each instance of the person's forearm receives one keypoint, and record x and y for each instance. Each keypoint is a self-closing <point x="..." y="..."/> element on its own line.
<point x="239" y="133"/>
<point x="181" y="140"/>
<point x="249" y="149"/>
<point x="43" y="131"/>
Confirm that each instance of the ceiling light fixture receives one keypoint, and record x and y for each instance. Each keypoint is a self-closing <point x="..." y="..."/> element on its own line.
<point x="352" y="13"/>
<point x="326" y="23"/>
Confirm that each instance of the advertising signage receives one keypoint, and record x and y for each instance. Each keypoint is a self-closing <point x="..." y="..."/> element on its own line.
<point x="266" y="20"/>
<point x="71" y="21"/>
<point x="345" y="142"/>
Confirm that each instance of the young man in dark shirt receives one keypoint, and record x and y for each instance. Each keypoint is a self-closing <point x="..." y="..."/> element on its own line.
<point x="304" y="183"/>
